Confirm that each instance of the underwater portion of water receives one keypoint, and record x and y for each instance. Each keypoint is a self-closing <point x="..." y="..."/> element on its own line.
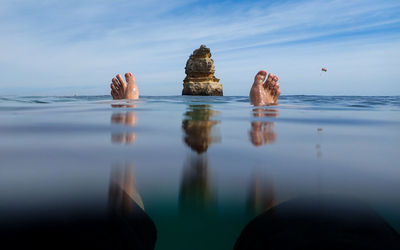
<point x="199" y="169"/>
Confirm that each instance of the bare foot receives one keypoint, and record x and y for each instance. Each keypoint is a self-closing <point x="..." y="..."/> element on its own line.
<point x="122" y="90"/>
<point x="265" y="93"/>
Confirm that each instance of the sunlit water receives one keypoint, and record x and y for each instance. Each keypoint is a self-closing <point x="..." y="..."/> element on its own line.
<point x="202" y="167"/>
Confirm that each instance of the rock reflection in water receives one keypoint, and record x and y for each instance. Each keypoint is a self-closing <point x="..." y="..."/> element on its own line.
<point x="196" y="196"/>
<point x="262" y="132"/>
<point x="198" y="127"/>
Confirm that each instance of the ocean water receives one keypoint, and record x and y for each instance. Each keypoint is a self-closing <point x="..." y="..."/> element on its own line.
<point x="198" y="169"/>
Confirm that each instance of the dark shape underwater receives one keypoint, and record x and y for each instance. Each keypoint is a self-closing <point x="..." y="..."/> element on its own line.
<point x="319" y="222"/>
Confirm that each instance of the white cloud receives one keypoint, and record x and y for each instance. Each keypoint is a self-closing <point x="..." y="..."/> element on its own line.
<point x="81" y="45"/>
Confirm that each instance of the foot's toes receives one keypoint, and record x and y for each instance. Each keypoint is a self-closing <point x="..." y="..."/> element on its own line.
<point x="260" y="77"/>
<point x="277" y="92"/>
<point x="276" y="86"/>
<point x="115" y="91"/>
<point x="257" y="93"/>
<point x="124" y="90"/>
<point x="117" y="88"/>
<point x="121" y="81"/>
<point x="275" y="80"/>
<point x="114" y="94"/>
<point x="269" y="81"/>
<point x="132" y="91"/>
<point x="272" y="84"/>
<point x="131" y="80"/>
<point x="116" y="83"/>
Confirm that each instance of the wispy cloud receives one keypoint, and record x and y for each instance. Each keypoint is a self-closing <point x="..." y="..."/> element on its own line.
<point x="82" y="44"/>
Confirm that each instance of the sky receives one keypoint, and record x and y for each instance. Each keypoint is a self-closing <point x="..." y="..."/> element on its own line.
<point x="50" y="47"/>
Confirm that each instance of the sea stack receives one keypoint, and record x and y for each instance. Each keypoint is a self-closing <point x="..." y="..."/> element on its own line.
<point x="200" y="79"/>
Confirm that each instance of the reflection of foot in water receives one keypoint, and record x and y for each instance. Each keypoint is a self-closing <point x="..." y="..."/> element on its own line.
<point x="265" y="93"/>
<point x="128" y="119"/>
<point x="122" y="90"/>
<point x="263" y="132"/>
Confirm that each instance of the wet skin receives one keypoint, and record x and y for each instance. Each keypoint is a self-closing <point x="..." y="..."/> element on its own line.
<point x="265" y="90"/>
<point x="121" y="89"/>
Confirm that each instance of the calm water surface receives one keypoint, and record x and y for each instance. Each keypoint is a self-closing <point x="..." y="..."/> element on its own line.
<point x="201" y="167"/>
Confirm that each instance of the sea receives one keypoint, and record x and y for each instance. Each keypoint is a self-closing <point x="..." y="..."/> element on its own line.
<point x="191" y="172"/>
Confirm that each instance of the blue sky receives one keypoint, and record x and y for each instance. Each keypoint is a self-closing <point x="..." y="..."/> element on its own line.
<point x="51" y="47"/>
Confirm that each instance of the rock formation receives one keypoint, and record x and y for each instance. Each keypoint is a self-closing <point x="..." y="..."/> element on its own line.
<point x="200" y="79"/>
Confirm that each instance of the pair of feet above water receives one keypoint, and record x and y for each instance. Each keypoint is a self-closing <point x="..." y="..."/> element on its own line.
<point x="265" y="89"/>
